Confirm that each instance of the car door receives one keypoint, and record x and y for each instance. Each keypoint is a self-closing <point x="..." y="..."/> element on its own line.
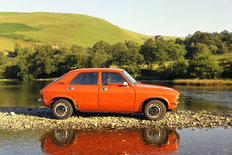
<point x="114" y="96"/>
<point x="84" y="89"/>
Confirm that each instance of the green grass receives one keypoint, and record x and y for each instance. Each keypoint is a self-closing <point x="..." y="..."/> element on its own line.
<point x="14" y="27"/>
<point x="8" y="44"/>
<point x="12" y="35"/>
<point x="63" y="29"/>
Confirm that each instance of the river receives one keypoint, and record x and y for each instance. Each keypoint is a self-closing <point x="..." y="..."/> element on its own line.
<point x="134" y="141"/>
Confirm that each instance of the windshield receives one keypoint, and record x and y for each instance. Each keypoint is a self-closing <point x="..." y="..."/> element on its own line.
<point x="129" y="77"/>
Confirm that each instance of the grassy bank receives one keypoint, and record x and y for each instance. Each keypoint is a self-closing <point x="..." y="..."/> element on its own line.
<point x="47" y="79"/>
<point x="8" y="80"/>
<point x="203" y="82"/>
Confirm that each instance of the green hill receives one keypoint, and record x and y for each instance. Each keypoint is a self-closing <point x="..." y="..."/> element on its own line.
<point x="59" y="29"/>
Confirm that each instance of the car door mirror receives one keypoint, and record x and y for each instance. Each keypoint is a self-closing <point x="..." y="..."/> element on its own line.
<point x="125" y="83"/>
<point x="119" y="84"/>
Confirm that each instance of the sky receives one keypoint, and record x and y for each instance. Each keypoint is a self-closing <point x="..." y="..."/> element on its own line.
<point x="149" y="17"/>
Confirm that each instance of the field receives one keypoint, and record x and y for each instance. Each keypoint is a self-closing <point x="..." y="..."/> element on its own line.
<point x="8" y="44"/>
<point x="59" y="29"/>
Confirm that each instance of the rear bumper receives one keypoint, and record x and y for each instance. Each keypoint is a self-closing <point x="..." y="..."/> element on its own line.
<point x="41" y="100"/>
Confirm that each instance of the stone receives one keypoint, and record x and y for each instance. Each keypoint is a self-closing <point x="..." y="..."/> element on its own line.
<point x="12" y="113"/>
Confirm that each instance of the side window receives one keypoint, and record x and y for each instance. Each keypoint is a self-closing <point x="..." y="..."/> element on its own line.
<point x="85" y="79"/>
<point x="112" y="78"/>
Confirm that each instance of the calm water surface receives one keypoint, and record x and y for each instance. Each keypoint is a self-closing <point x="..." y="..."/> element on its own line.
<point x="146" y="141"/>
<point x="194" y="98"/>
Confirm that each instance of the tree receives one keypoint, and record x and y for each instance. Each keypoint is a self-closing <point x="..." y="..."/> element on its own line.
<point x="175" y="51"/>
<point x="227" y="39"/>
<point x="76" y="49"/>
<point x="159" y="51"/>
<point x="120" y="54"/>
<point x="21" y="65"/>
<point x="59" y="61"/>
<point x="127" y="56"/>
<point x="179" y="41"/>
<point x="214" y="42"/>
<point x="154" y="52"/>
<point x="43" y="61"/>
<point x="103" y="46"/>
<point x="100" y="59"/>
<point x="136" y="59"/>
<point x="3" y="61"/>
<point x="198" y="48"/>
<point x="204" y="66"/>
<point x="101" y="56"/>
<point x="147" y="51"/>
<point x="226" y="63"/>
<point x="77" y="60"/>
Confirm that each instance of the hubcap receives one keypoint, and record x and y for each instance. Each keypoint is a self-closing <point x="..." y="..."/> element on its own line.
<point x="154" y="110"/>
<point x="61" y="134"/>
<point x="61" y="109"/>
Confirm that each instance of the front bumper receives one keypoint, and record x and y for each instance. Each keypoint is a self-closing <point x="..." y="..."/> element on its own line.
<point x="175" y="103"/>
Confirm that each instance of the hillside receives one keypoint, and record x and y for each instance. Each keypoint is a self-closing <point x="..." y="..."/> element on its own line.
<point x="59" y="29"/>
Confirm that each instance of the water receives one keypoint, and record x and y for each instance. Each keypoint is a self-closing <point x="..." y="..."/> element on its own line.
<point x="145" y="141"/>
<point x="216" y="99"/>
<point x="91" y="142"/>
<point x="194" y="98"/>
<point x="17" y="93"/>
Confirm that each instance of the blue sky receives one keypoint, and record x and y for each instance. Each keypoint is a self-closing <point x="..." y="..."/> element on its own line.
<point x="150" y="17"/>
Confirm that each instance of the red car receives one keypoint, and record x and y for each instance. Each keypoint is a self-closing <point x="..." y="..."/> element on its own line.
<point x="106" y="90"/>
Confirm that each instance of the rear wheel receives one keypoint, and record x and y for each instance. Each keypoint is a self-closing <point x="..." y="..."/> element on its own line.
<point x="63" y="136"/>
<point x="155" y="110"/>
<point x="62" y="109"/>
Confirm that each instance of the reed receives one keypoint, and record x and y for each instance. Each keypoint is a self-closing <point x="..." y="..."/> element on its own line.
<point x="8" y="80"/>
<point x="203" y="82"/>
<point x="47" y="79"/>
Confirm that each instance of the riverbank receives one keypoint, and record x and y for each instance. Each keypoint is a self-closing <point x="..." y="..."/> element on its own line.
<point x="203" y="82"/>
<point x="47" y="79"/>
<point x="36" y="118"/>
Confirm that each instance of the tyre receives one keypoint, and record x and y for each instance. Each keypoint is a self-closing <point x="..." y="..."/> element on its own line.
<point x="155" y="136"/>
<point x="63" y="136"/>
<point x="155" y="110"/>
<point x="62" y="109"/>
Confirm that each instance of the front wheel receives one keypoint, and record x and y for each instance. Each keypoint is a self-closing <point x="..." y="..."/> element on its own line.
<point x="155" y="110"/>
<point x="62" y="109"/>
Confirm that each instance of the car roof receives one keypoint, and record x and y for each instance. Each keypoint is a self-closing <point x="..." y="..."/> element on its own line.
<point x="96" y="69"/>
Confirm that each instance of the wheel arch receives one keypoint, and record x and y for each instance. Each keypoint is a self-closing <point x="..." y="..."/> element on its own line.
<point x="65" y="98"/>
<point x="164" y="101"/>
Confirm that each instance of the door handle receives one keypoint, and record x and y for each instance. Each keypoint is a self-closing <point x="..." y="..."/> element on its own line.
<point x="71" y="88"/>
<point x="104" y="89"/>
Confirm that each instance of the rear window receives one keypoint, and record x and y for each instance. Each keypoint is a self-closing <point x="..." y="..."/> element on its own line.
<point x="85" y="79"/>
<point x="58" y="78"/>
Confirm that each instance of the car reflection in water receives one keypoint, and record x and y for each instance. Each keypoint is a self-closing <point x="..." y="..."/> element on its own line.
<point x="146" y="141"/>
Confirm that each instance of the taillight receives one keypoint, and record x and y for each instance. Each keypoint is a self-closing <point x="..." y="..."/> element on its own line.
<point x="41" y="95"/>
